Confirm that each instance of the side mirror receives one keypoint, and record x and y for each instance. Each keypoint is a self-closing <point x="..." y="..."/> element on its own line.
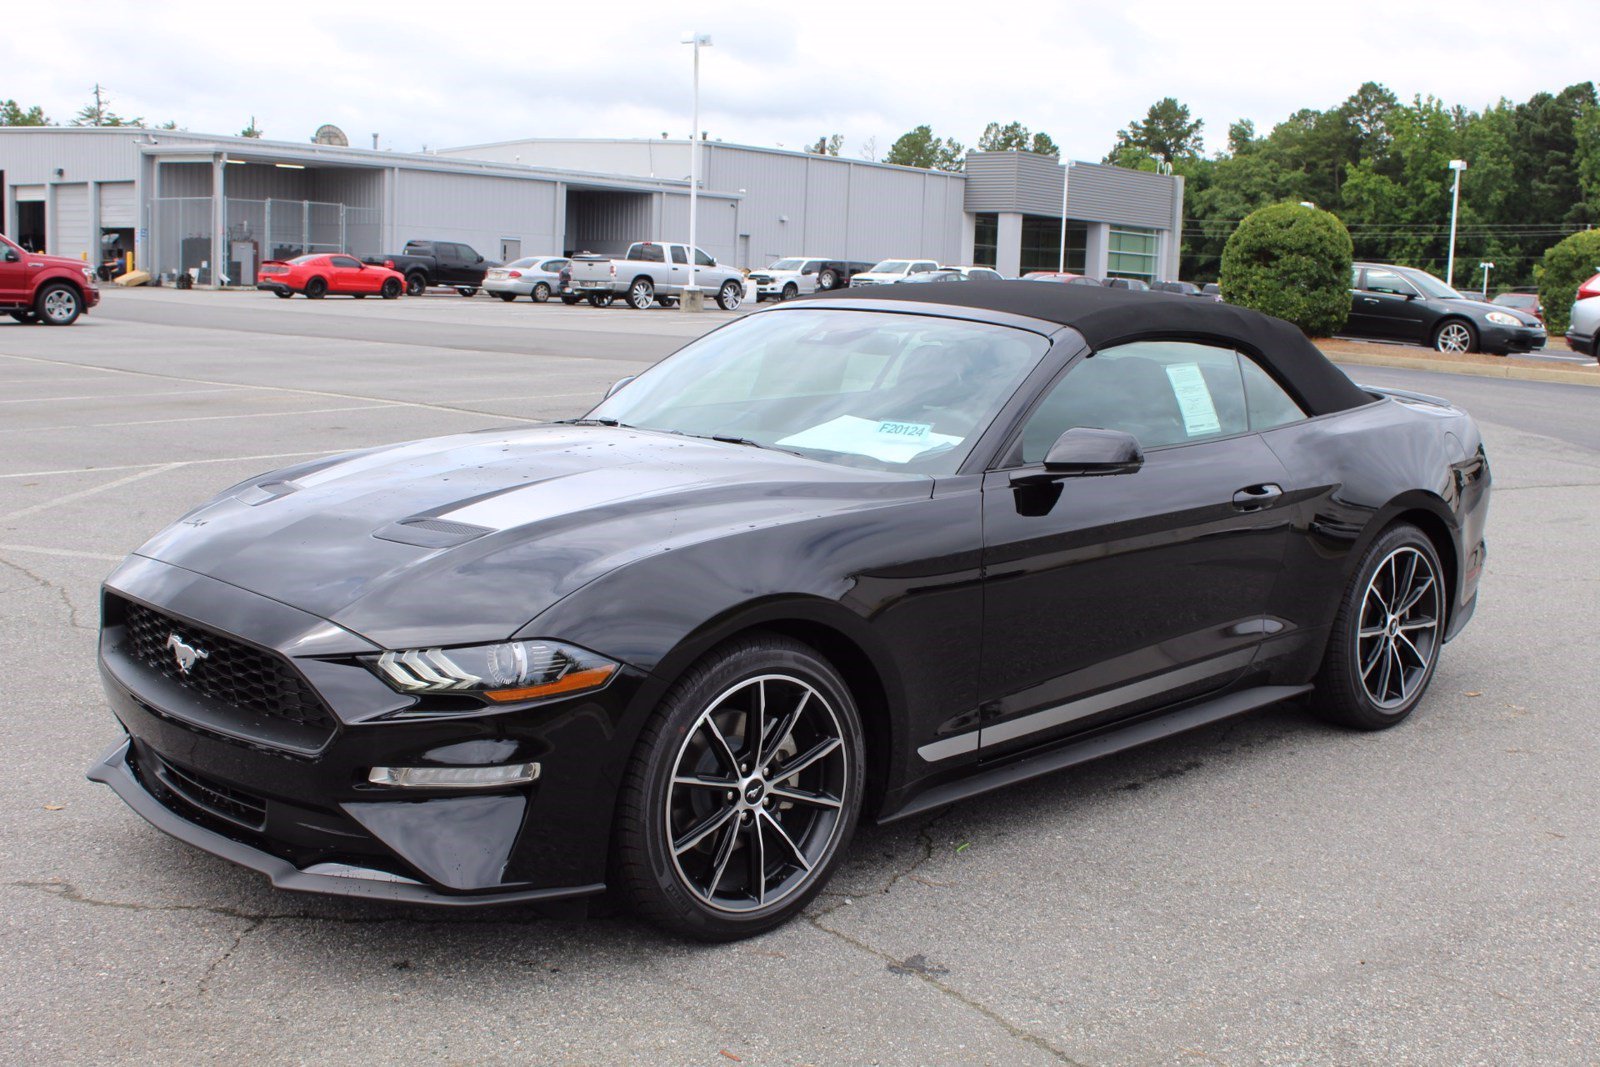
<point x="1088" y="452"/>
<point x="617" y="385"/>
<point x="11" y="255"/>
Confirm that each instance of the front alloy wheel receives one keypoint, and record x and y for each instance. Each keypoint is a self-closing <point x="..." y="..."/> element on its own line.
<point x="730" y="296"/>
<point x="1387" y="635"/>
<point x="743" y="791"/>
<point x="59" y="305"/>
<point x="1454" y="336"/>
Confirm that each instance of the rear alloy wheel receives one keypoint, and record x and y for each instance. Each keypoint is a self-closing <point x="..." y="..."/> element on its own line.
<point x="541" y="292"/>
<point x="58" y="305"/>
<point x="791" y="291"/>
<point x="1386" y="638"/>
<point x="743" y="791"/>
<point x="1455" y="336"/>
<point x="416" y="284"/>
<point x="391" y="289"/>
<point x="316" y="288"/>
<point x="641" y="294"/>
<point x="730" y="296"/>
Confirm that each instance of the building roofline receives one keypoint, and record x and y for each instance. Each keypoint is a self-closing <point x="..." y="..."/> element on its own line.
<point x="768" y="149"/>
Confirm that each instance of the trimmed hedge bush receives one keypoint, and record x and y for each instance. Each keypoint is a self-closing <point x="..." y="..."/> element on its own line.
<point x="1567" y="264"/>
<point x="1293" y="262"/>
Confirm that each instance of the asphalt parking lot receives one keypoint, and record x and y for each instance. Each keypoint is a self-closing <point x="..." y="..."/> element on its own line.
<point x="1270" y="890"/>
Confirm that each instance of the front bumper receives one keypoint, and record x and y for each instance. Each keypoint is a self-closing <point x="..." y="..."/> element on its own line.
<point x="1579" y="342"/>
<point x="293" y="801"/>
<point x="1510" y="339"/>
<point x="117" y="769"/>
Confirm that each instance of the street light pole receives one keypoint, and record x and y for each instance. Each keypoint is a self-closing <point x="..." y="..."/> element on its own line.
<point x="697" y="40"/>
<point x="1066" y="176"/>
<point x="1486" y="266"/>
<point x="1457" y="165"/>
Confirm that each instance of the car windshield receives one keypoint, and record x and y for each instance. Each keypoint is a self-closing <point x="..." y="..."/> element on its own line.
<point x="884" y="391"/>
<point x="1431" y="286"/>
<point x="890" y="266"/>
<point x="788" y="264"/>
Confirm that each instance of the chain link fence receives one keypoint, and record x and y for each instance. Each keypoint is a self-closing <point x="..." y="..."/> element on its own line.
<point x="256" y="231"/>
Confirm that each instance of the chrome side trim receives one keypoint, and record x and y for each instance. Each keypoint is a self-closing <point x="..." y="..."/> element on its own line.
<point x="1061" y="714"/>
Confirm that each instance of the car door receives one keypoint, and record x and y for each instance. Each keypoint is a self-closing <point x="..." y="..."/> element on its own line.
<point x="677" y="271"/>
<point x="346" y="275"/>
<point x="809" y="270"/>
<point x="1107" y="596"/>
<point x="13" y="274"/>
<point x="1391" y="307"/>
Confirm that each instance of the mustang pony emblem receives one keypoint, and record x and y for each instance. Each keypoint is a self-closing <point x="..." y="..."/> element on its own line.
<point x="186" y="655"/>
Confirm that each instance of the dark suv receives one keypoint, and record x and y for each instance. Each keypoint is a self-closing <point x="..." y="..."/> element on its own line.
<point x="1393" y="303"/>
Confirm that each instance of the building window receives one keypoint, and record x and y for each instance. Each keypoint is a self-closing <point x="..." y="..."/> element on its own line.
<point x="1133" y="254"/>
<point x="985" y="239"/>
<point x="1041" y="244"/>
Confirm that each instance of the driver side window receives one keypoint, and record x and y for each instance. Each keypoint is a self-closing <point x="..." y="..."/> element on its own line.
<point x="1162" y="392"/>
<point x="1387" y="281"/>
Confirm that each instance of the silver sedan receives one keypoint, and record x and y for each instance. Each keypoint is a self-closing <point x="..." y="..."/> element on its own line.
<point x="535" y="276"/>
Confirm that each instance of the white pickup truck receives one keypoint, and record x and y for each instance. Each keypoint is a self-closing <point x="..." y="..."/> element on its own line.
<point x="653" y="272"/>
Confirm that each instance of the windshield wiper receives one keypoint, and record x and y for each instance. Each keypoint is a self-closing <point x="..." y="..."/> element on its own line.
<point x="601" y="421"/>
<point x="733" y="439"/>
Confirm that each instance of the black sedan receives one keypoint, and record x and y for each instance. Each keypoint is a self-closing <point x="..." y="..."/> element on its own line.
<point x="1404" y="304"/>
<point x="845" y="558"/>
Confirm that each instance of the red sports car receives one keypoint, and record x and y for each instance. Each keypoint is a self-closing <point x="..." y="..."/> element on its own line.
<point x="318" y="275"/>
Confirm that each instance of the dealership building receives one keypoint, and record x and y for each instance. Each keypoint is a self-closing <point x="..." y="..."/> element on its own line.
<point x="182" y="202"/>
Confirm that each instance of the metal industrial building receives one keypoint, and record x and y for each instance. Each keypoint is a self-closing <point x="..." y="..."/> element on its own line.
<point x="183" y="202"/>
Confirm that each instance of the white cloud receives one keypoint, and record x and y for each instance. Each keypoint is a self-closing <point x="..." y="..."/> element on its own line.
<point x="428" y="74"/>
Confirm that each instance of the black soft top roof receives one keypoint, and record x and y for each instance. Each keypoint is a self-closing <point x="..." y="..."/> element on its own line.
<point x="1107" y="317"/>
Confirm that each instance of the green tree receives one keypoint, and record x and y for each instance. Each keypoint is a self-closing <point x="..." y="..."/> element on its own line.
<point x="920" y="148"/>
<point x="1292" y="262"/>
<point x="1044" y="145"/>
<point x="252" y="131"/>
<point x="1565" y="266"/>
<point x="1015" y="137"/>
<point x="1167" y="131"/>
<point x="14" y="114"/>
<point x="99" y="113"/>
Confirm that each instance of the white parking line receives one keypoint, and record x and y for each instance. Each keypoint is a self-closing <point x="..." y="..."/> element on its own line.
<point x="208" y="418"/>
<point x="69" y="553"/>
<point x="91" y="491"/>
<point x="115" y="396"/>
<point x="184" y="463"/>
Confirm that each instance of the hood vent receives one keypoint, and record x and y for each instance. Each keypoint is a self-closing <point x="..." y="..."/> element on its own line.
<point x="426" y="532"/>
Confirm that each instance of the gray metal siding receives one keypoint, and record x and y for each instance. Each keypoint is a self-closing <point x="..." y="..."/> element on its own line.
<point x="32" y="156"/>
<point x="73" y="234"/>
<point x="185" y="179"/>
<point x="478" y="210"/>
<point x="1031" y="184"/>
<point x="715" y="227"/>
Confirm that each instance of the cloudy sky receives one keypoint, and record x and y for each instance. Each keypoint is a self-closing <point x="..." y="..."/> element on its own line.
<point x="440" y="75"/>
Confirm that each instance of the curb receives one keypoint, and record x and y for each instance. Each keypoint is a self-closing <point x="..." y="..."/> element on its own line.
<point x="1520" y="372"/>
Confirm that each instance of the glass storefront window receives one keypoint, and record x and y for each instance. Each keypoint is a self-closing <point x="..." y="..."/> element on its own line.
<point x="1132" y="254"/>
<point x="1041" y="244"/>
<point x="985" y="239"/>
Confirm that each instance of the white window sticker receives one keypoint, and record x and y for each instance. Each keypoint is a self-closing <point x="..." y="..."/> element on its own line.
<point x="886" y="440"/>
<point x="1194" y="399"/>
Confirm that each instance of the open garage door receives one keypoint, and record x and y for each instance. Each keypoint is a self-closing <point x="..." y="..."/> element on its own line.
<point x="606" y="221"/>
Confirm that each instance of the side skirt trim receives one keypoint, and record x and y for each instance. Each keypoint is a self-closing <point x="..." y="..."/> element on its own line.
<point x="1103" y="744"/>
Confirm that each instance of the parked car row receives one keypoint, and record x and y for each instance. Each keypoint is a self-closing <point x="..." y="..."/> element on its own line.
<point x="1583" y="332"/>
<point x="53" y="290"/>
<point x="1394" y="303"/>
<point x="796" y="276"/>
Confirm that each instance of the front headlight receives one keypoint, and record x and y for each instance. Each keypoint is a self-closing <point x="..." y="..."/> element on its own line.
<point x="1500" y="318"/>
<point x="88" y="275"/>
<point x="504" y="672"/>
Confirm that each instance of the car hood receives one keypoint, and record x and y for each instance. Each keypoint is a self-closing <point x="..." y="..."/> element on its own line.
<point x="64" y="262"/>
<point x="1481" y="307"/>
<point x="869" y="276"/>
<point x="467" y="538"/>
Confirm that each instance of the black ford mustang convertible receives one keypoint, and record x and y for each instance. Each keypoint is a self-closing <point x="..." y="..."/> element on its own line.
<point x="842" y="559"/>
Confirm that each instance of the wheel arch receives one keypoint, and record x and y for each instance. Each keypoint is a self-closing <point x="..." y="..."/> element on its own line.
<point x="1430" y="514"/>
<point x="1454" y="316"/>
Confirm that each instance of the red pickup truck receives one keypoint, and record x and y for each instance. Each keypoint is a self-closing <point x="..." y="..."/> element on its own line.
<point x="54" y="290"/>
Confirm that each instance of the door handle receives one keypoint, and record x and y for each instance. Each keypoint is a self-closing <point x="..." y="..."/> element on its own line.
<point x="1369" y="300"/>
<point x="1257" y="497"/>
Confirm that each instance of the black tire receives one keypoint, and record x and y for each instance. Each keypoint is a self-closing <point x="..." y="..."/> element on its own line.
<point x="1364" y="650"/>
<point x="1454" y="336"/>
<point x="641" y="294"/>
<point x="790" y="291"/>
<point x="390" y="289"/>
<point x="316" y="288"/>
<point x="828" y="279"/>
<point x="686" y="889"/>
<point x="541" y="292"/>
<point x="730" y="296"/>
<point x="568" y="299"/>
<point x="507" y="297"/>
<point x="58" y="304"/>
<point x="467" y="290"/>
<point x="358" y="296"/>
<point x="282" y="294"/>
<point x="601" y="300"/>
<point x="27" y="318"/>
<point x="416" y="283"/>
<point x="667" y="301"/>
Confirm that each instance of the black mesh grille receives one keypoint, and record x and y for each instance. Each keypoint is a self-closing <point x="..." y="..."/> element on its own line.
<point x="208" y="794"/>
<point x="230" y="673"/>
